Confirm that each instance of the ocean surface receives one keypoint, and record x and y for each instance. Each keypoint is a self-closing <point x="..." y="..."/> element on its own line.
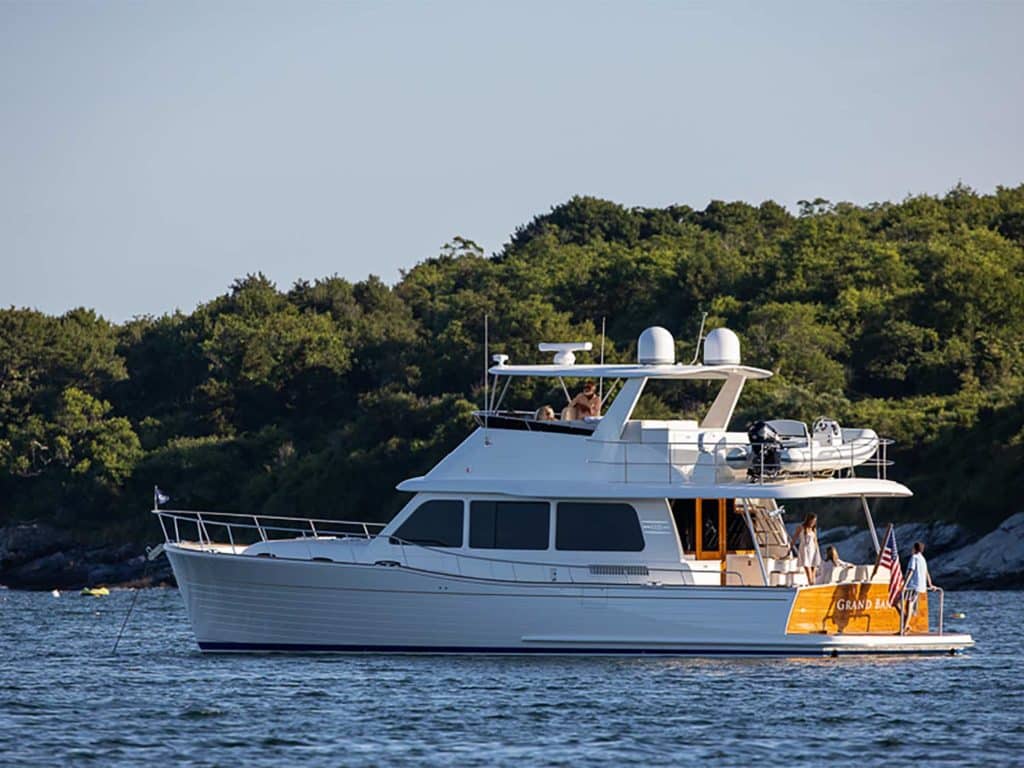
<point x="66" y="700"/>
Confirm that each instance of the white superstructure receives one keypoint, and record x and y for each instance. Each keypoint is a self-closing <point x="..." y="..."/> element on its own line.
<point x="599" y="534"/>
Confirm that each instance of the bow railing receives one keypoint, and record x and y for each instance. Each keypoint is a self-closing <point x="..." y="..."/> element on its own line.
<point x="240" y="530"/>
<point x="244" y="529"/>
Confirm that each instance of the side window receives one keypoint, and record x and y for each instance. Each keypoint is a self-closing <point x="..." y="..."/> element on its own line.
<point x="594" y="527"/>
<point x="737" y="534"/>
<point x="509" y="524"/>
<point x="685" y="513"/>
<point x="436" y="523"/>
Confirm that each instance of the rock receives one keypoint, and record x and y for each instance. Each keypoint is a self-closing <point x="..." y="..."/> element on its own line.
<point x="25" y="542"/>
<point x="55" y="571"/>
<point x="832" y="535"/>
<point x="117" y="572"/>
<point x="938" y="537"/>
<point x="995" y="560"/>
<point x="35" y="556"/>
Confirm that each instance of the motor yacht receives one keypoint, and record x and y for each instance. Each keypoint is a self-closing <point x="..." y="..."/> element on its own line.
<point x="593" y="533"/>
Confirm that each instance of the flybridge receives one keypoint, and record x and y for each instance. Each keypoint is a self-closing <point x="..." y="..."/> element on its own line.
<point x="671" y="456"/>
<point x="656" y="359"/>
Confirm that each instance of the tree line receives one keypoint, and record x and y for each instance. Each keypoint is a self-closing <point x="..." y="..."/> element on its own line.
<point x="906" y="317"/>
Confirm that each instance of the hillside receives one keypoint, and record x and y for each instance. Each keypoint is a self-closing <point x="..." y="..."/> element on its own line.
<point x="316" y="400"/>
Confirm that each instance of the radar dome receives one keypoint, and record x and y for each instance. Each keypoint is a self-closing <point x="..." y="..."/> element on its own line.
<point x="656" y="347"/>
<point x="722" y="347"/>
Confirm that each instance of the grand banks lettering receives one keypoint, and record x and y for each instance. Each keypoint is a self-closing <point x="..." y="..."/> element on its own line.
<point x="866" y="604"/>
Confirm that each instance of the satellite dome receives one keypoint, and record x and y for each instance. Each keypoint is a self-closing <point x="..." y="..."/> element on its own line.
<point x="722" y="347"/>
<point x="656" y="347"/>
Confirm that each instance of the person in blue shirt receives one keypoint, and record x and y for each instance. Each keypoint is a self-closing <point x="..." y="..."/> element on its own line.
<point x="919" y="580"/>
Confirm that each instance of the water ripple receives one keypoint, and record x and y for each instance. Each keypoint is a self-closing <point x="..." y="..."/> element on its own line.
<point x="65" y="699"/>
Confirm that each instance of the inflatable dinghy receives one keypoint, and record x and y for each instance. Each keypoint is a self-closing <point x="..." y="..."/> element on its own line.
<point x="786" y="446"/>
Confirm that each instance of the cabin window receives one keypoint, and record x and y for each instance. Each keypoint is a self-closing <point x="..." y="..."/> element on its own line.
<point x="436" y="523"/>
<point x="737" y="532"/>
<point x="509" y="524"/>
<point x="594" y="527"/>
<point x="684" y="511"/>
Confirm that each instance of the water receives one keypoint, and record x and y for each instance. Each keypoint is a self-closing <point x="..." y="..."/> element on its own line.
<point x="65" y="700"/>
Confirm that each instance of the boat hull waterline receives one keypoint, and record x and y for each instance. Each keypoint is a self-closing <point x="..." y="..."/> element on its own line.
<point x="239" y="603"/>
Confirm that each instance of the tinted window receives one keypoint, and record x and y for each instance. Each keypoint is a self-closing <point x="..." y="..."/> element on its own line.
<point x="709" y="534"/>
<point x="435" y="523"/>
<point x="592" y="527"/>
<point x="737" y="533"/>
<point x="509" y="524"/>
<point x="685" y="513"/>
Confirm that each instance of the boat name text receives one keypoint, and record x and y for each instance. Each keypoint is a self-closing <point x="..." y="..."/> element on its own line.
<point x="878" y="603"/>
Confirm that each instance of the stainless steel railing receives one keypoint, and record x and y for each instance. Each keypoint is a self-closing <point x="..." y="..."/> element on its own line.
<point x="266" y="527"/>
<point x="411" y="554"/>
<point x="905" y="620"/>
<point x="714" y="456"/>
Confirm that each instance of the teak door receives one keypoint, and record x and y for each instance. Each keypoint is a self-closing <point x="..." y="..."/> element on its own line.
<point x="711" y="544"/>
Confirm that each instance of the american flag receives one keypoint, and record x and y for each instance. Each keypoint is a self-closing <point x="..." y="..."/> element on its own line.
<point x="891" y="559"/>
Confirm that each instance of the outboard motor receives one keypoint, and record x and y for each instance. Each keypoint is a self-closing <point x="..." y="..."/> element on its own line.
<point x="765" y="447"/>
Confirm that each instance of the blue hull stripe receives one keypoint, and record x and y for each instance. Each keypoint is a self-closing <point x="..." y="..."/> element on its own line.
<point x="506" y="651"/>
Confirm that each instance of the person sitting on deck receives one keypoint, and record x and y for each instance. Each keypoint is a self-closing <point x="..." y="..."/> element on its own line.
<point x="545" y="413"/>
<point x="587" y="402"/>
<point x="828" y="568"/>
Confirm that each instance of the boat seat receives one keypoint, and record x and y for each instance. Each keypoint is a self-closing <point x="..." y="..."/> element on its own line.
<point x="779" y="578"/>
<point x="844" y="573"/>
<point x="796" y="579"/>
<point x="827" y="432"/>
<point x="841" y="574"/>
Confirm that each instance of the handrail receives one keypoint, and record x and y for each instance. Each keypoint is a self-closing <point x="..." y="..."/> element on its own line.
<point x="904" y="597"/>
<point x="844" y="458"/>
<point x="250" y="515"/>
<point x="718" y="451"/>
<point x="942" y="601"/>
<point x="196" y="517"/>
<point x="301" y="526"/>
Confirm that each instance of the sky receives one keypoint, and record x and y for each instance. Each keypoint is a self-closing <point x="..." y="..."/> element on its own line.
<point x="153" y="152"/>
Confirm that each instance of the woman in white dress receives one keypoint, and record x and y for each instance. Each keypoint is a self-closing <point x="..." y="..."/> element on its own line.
<point x="806" y="541"/>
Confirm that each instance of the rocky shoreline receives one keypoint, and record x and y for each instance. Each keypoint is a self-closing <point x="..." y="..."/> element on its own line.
<point x="37" y="556"/>
<point x="957" y="559"/>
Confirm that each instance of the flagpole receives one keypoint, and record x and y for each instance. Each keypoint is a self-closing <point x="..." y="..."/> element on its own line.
<point x="885" y="541"/>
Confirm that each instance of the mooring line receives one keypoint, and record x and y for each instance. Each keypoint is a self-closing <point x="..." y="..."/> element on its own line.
<point x="151" y="555"/>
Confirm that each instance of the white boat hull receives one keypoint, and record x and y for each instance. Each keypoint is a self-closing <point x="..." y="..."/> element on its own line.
<point x="246" y="603"/>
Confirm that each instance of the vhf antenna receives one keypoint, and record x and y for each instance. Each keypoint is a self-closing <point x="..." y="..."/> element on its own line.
<point x="487" y="376"/>
<point x="700" y="338"/>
